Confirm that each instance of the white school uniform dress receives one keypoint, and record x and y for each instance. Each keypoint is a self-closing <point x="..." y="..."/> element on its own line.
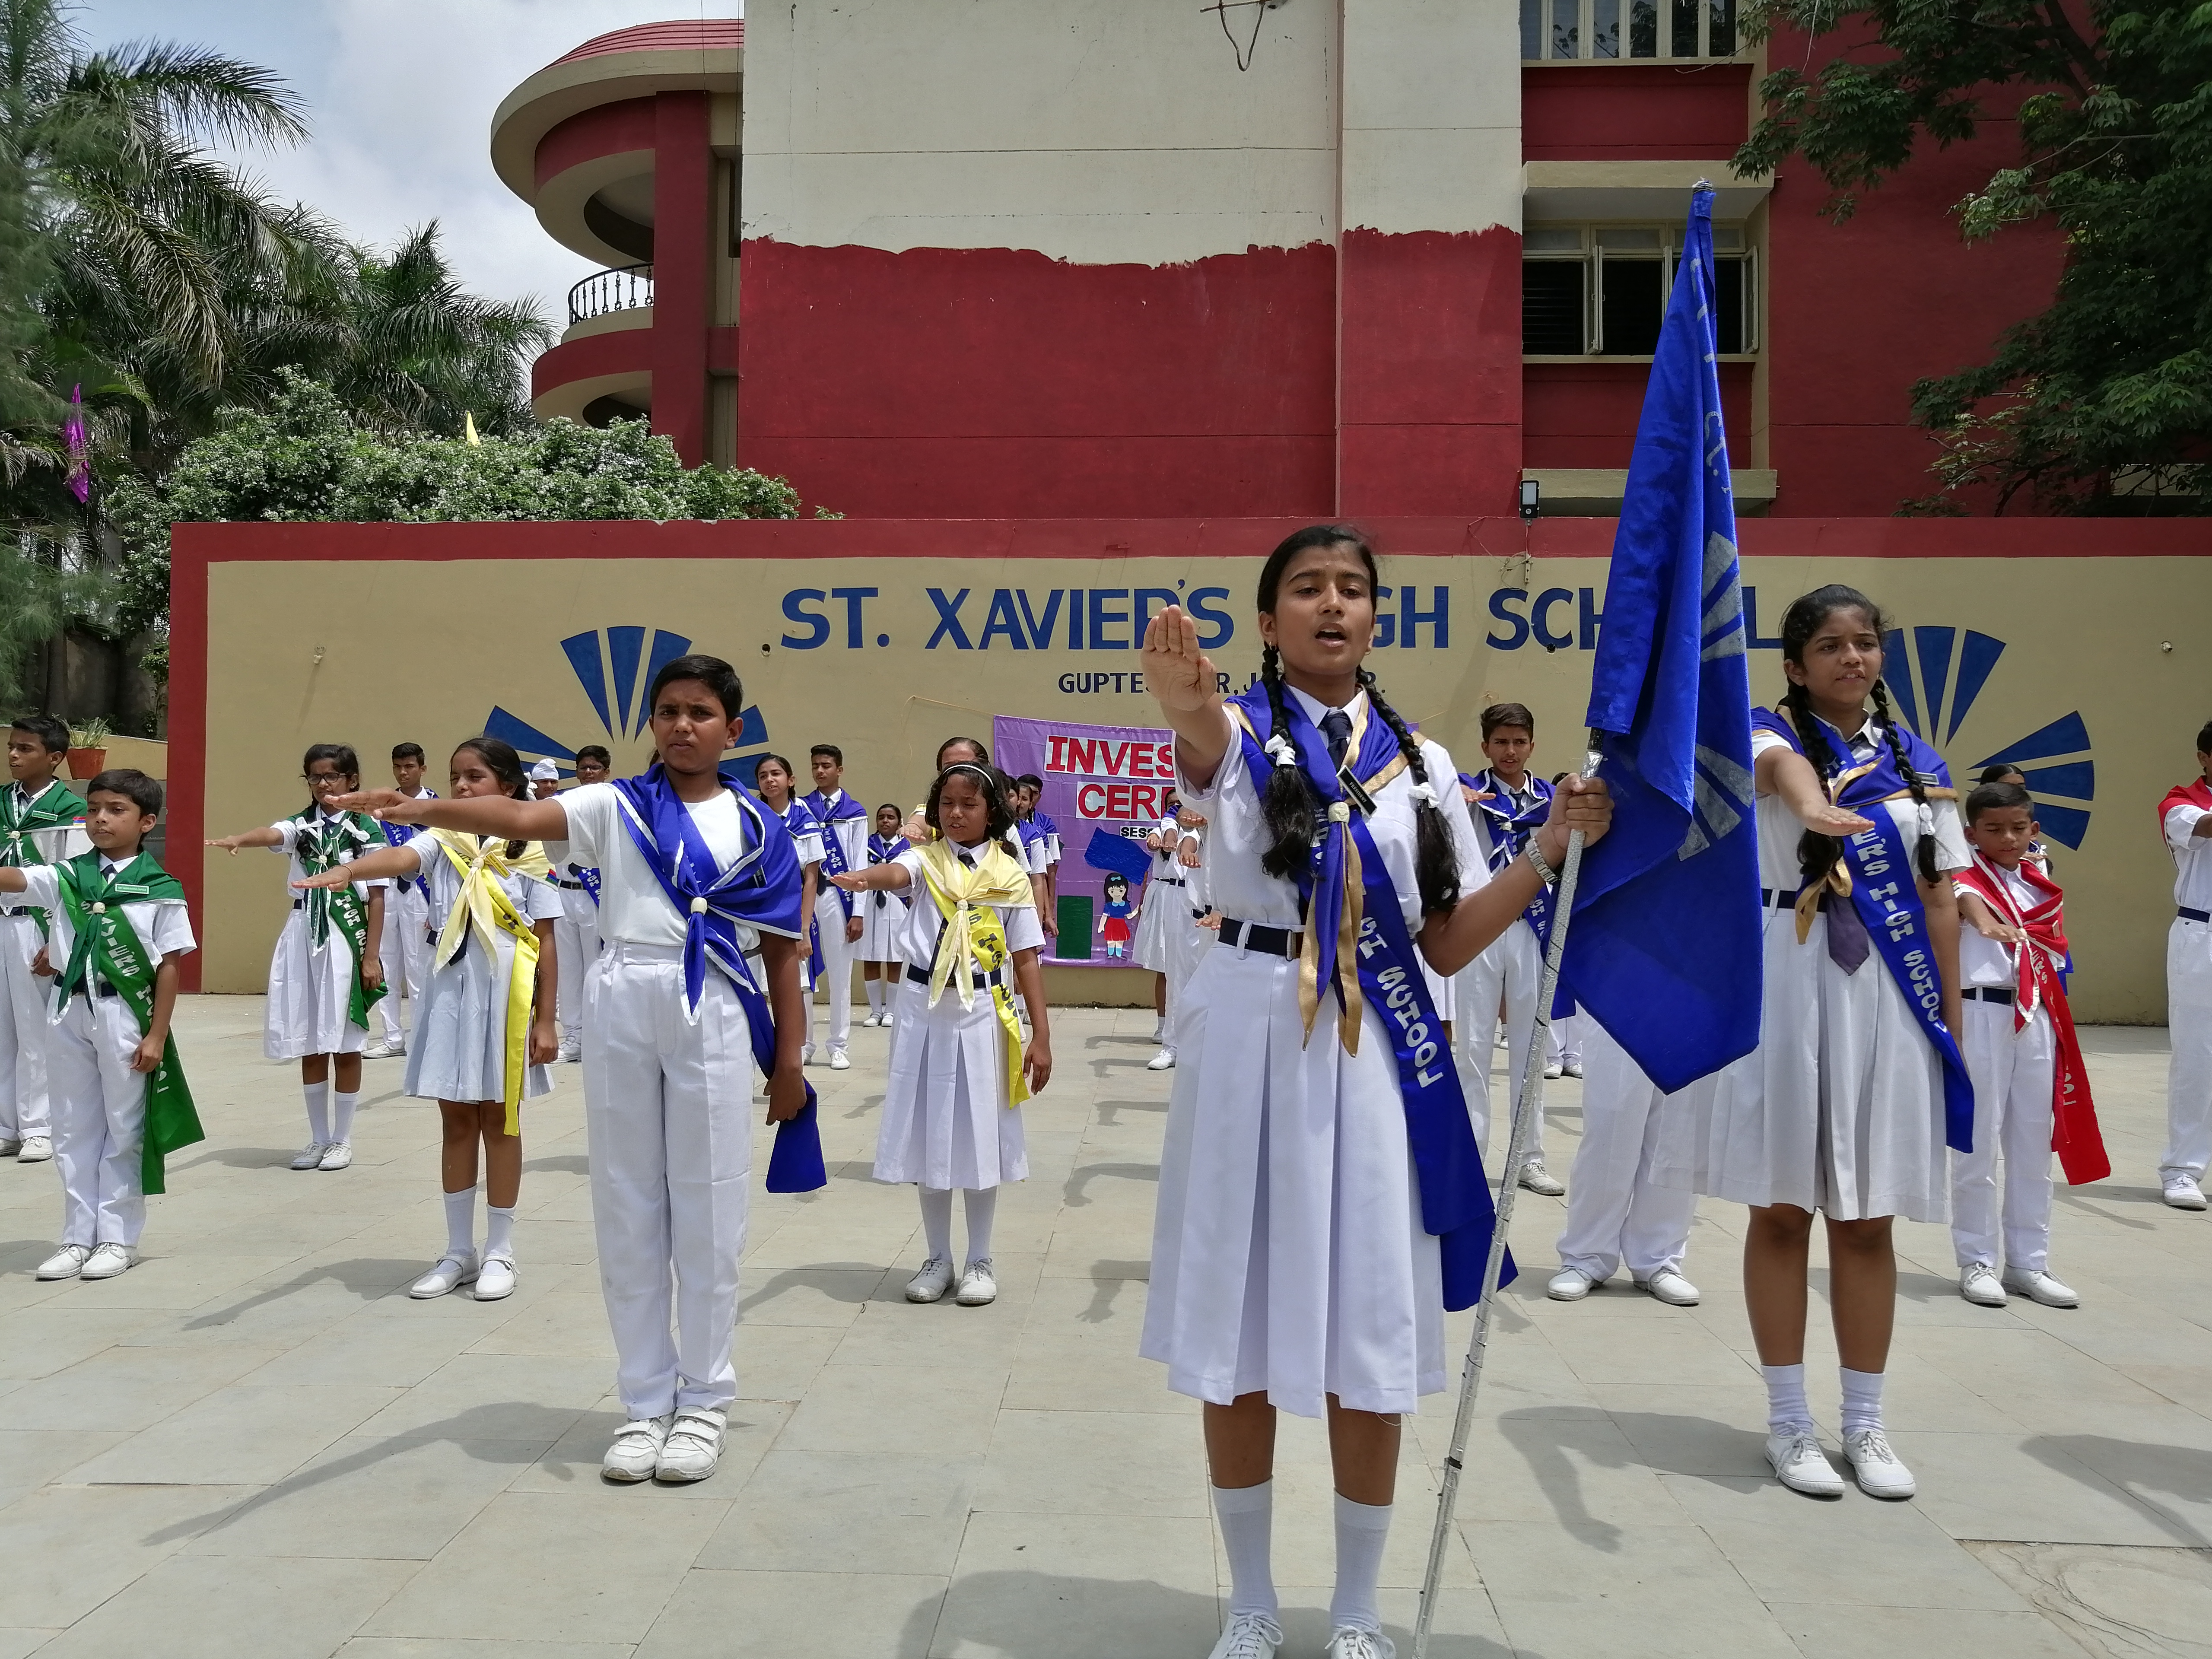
<point x="883" y="917"/>
<point x="1510" y="970"/>
<point x="807" y="836"/>
<point x="1288" y="1253"/>
<point x="947" y="1122"/>
<point x="2014" y="1072"/>
<point x="668" y="1116"/>
<point x="575" y="939"/>
<point x="1165" y="892"/>
<point x="838" y="955"/>
<point x="98" y="1102"/>
<point x="1187" y="940"/>
<point x="2189" y="997"/>
<point x="25" y="998"/>
<point x="406" y="948"/>
<point x="1617" y="1215"/>
<point x="309" y="988"/>
<point x="1840" y="1108"/>
<point x="460" y="1051"/>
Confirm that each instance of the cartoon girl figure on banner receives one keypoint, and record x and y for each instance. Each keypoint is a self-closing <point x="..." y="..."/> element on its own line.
<point x="1113" y="919"/>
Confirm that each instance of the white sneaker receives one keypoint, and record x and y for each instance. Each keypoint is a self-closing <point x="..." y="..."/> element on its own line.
<point x="35" y="1149"/>
<point x="840" y="1061"/>
<point x="693" y="1450"/>
<point x="1535" y="1178"/>
<point x="1572" y="1066"/>
<point x="376" y="1048"/>
<point x="1802" y="1466"/>
<point x="1879" y="1475"/>
<point x="1553" y="1071"/>
<point x="571" y="1053"/>
<point x="495" y="1278"/>
<point x="1352" y="1642"/>
<point x="931" y="1284"/>
<point x="450" y="1273"/>
<point x="1978" y="1283"/>
<point x="636" y="1449"/>
<point x="1249" y="1636"/>
<point x="1162" y="1061"/>
<point x="309" y="1157"/>
<point x="1670" y="1287"/>
<point x="67" y="1262"/>
<point x="337" y="1154"/>
<point x="2182" y="1192"/>
<point x="887" y="1022"/>
<point x="2041" y="1287"/>
<point x="397" y="1051"/>
<point x="869" y="1023"/>
<point x="1569" y="1285"/>
<point x="806" y="1054"/>
<point x="979" y="1285"/>
<point x="107" y="1261"/>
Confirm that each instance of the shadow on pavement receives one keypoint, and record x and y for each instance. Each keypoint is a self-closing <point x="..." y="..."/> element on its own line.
<point x="366" y="1277"/>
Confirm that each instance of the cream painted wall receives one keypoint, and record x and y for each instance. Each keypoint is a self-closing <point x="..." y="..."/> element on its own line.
<point x="1431" y="115"/>
<point x="2082" y="636"/>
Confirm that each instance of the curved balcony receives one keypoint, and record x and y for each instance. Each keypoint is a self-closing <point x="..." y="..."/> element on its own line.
<point x="630" y="287"/>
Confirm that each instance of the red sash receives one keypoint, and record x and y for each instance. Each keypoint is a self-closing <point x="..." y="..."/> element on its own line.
<point x="2198" y="793"/>
<point x="2074" y="1134"/>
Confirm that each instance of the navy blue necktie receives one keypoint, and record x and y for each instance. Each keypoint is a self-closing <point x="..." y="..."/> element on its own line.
<point x="1336" y="726"/>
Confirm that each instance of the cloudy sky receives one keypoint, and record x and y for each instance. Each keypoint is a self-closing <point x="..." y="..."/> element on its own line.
<point x="401" y="94"/>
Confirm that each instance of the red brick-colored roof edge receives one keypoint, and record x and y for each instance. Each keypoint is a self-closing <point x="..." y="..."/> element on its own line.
<point x="687" y="34"/>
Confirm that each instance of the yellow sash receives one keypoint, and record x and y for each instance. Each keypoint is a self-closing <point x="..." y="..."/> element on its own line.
<point x="973" y="941"/>
<point x="483" y="907"/>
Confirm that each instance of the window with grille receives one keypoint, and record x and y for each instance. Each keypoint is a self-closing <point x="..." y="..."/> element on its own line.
<point x="1600" y="290"/>
<point x="1658" y="30"/>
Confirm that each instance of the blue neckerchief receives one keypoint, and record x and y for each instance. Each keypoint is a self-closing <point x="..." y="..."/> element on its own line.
<point x="761" y="890"/>
<point x="882" y="850"/>
<point x="399" y="834"/>
<point x="1886" y="893"/>
<point x="1321" y="885"/>
<point x="1507" y="831"/>
<point x="833" y="850"/>
<point x="588" y="879"/>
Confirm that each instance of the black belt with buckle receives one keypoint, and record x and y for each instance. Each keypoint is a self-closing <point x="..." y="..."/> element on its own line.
<point x="568" y="886"/>
<point x="1255" y="936"/>
<point x="983" y="981"/>
<point x="1169" y="881"/>
<point x="2188" y="915"/>
<point x="1987" y="993"/>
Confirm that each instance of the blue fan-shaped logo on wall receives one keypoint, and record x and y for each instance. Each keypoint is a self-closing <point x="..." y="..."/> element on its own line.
<point x="615" y="668"/>
<point x="1943" y="675"/>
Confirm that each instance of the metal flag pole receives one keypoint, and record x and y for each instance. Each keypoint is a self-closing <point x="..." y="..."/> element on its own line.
<point x="1525" y="1109"/>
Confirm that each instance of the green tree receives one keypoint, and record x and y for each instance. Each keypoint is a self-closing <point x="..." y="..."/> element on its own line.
<point x="2110" y="389"/>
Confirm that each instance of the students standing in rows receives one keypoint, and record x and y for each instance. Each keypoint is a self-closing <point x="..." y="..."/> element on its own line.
<point x="40" y="823"/>
<point x="2184" y="819"/>
<point x="405" y="942"/>
<point x="843" y="823"/>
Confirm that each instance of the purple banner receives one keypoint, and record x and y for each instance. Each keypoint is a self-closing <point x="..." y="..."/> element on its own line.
<point x="1095" y="777"/>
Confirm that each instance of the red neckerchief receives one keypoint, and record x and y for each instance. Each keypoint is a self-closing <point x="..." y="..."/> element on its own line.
<point x="2074" y="1134"/>
<point x="2198" y="794"/>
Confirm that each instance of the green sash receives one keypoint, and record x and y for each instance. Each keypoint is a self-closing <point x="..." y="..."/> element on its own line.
<point x="106" y="946"/>
<point x="323" y="842"/>
<point x="54" y="809"/>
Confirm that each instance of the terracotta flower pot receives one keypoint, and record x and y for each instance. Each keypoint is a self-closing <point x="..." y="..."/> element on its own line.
<point x="86" y="764"/>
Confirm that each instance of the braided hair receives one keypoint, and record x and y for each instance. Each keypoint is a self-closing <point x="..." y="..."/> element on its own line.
<point x="1290" y="804"/>
<point x="1818" y="854"/>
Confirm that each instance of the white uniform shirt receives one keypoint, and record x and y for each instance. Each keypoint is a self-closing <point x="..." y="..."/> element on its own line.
<point x="1243" y="892"/>
<point x="1779" y="831"/>
<point x="852" y="834"/>
<point x="918" y="930"/>
<point x="64" y="841"/>
<point x="1984" y="961"/>
<point x="288" y="831"/>
<point x="2192" y="857"/>
<point x="633" y="908"/>
<point x="163" y="926"/>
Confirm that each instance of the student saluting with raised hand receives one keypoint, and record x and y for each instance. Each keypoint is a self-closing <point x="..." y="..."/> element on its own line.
<point x="1321" y="1200"/>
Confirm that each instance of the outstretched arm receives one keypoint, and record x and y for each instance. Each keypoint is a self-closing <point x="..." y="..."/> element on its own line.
<point x="385" y="862"/>
<point x="1182" y="680"/>
<point x="1452" y="938"/>
<point x="267" y="835"/>
<point x="889" y="877"/>
<point x="1786" y="773"/>
<point x="479" y="815"/>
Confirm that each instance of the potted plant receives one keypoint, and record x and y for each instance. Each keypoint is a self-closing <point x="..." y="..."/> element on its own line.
<point x="88" y="753"/>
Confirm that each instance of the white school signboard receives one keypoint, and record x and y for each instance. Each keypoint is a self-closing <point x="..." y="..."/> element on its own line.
<point x="2073" y="647"/>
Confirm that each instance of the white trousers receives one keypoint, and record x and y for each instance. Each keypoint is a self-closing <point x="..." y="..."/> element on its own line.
<point x="575" y="946"/>
<point x="405" y="951"/>
<point x="1566" y="1040"/>
<point x="836" y="970"/>
<point x="1616" y="1213"/>
<point x="99" y="1121"/>
<point x="667" y="1108"/>
<point x="24" y="998"/>
<point x="1509" y="970"/>
<point x="2012" y="1072"/>
<point x="2189" y="1030"/>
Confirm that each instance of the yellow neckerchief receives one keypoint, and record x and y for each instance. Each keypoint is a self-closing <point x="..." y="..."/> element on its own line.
<point x="1349" y="998"/>
<point x="973" y="941"/>
<point x="1838" y="879"/>
<point x="483" y="907"/>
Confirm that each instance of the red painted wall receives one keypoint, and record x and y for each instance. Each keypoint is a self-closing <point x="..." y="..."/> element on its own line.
<point x="1585" y="414"/>
<point x="684" y="218"/>
<point x="609" y="129"/>
<point x="1629" y="113"/>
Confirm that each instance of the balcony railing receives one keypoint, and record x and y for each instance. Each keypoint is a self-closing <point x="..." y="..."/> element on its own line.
<point x="630" y="287"/>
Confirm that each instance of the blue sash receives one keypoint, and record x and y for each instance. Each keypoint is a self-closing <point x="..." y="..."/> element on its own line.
<point x="588" y="879"/>
<point x="882" y="850"/>
<point x="1886" y="893"/>
<point x="1509" y="830"/>
<point x="833" y="850"/>
<point x="800" y="822"/>
<point x="1455" y="1202"/>
<point x="399" y="834"/>
<point x="761" y="890"/>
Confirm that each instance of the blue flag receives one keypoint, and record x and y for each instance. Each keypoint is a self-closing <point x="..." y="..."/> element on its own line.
<point x="1108" y="851"/>
<point x="1664" y="948"/>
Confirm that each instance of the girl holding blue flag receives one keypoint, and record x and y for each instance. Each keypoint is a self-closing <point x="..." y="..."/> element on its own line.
<point x="1321" y="1197"/>
<point x="693" y="875"/>
<point x="1846" y="1106"/>
<point x="487" y="1028"/>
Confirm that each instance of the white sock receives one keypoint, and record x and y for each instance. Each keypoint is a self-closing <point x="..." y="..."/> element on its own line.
<point x="318" y="1111"/>
<point x="937" y="1222"/>
<point x="461" y="1221"/>
<point x="875" y="990"/>
<point x="1862" y="1400"/>
<point x="342" y="1111"/>
<point x="1361" y="1530"/>
<point x="982" y="1207"/>
<point x="1247" y="1515"/>
<point x="1786" y="1410"/>
<point x="499" y="1231"/>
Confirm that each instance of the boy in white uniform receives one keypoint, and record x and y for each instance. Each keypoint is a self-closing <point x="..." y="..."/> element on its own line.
<point x="576" y="934"/>
<point x="38" y="825"/>
<point x="116" y="929"/>
<point x="1618" y="1215"/>
<point x="844" y="823"/>
<point x="407" y="921"/>
<point x="2186" y="819"/>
